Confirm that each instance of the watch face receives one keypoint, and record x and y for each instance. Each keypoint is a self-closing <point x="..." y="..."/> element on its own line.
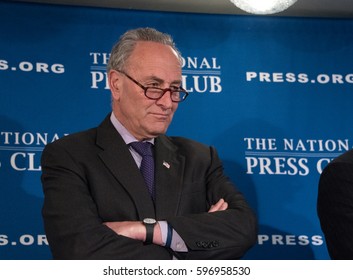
<point x="149" y="221"/>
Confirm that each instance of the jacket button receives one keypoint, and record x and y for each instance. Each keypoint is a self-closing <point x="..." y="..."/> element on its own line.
<point x="213" y="244"/>
<point x="201" y="244"/>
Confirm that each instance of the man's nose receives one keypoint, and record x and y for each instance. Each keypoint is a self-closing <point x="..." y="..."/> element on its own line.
<point x="166" y="100"/>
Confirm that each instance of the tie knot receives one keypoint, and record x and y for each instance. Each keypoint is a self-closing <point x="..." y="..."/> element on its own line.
<point x="143" y="148"/>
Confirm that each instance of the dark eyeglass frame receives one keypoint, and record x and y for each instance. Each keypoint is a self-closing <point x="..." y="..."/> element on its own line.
<point x="163" y="91"/>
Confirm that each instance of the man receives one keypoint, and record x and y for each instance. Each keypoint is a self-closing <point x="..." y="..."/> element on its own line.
<point x="96" y="199"/>
<point x="335" y="206"/>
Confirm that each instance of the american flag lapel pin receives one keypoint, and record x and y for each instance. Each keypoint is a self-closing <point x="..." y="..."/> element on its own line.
<point x="166" y="164"/>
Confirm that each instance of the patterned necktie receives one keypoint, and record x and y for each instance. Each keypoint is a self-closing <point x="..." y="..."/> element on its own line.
<point x="147" y="164"/>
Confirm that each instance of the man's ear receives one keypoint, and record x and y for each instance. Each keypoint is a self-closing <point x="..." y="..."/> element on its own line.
<point x="114" y="83"/>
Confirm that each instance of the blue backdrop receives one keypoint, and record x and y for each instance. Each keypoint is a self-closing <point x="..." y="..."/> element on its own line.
<point x="272" y="94"/>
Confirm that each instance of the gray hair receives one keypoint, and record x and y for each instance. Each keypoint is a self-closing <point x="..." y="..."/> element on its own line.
<point x="122" y="50"/>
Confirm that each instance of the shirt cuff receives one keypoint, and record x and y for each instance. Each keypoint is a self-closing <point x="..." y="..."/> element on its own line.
<point x="177" y="243"/>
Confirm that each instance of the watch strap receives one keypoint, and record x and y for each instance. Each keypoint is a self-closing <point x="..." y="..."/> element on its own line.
<point x="149" y="233"/>
<point x="149" y="224"/>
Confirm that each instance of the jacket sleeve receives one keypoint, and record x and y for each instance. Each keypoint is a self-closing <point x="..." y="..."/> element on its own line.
<point x="72" y="223"/>
<point x="335" y="208"/>
<point x="224" y="234"/>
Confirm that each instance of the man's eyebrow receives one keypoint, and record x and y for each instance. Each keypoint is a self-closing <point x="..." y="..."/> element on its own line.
<point x="155" y="78"/>
<point x="159" y="80"/>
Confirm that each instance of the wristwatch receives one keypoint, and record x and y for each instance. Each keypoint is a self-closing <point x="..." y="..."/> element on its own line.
<point x="149" y="224"/>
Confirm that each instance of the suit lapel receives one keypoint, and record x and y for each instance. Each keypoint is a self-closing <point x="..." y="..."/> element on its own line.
<point x="118" y="160"/>
<point x="169" y="176"/>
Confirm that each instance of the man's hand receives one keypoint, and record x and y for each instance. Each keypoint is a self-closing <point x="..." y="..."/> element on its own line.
<point x="219" y="206"/>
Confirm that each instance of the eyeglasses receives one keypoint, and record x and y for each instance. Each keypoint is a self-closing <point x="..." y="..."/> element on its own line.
<point x="176" y="94"/>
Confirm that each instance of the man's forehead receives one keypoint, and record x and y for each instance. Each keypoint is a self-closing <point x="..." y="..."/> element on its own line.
<point x="152" y="55"/>
<point x="145" y="48"/>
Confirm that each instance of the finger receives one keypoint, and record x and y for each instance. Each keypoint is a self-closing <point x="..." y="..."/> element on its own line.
<point x="217" y="206"/>
<point x="211" y="209"/>
<point x="219" y="203"/>
<point x="224" y="206"/>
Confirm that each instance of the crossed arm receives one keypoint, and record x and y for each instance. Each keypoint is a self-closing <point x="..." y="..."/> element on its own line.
<point x="136" y="229"/>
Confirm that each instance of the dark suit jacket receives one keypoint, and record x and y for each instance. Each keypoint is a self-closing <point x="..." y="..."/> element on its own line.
<point x="335" y="206"/>
<point x="90" y="178"/>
